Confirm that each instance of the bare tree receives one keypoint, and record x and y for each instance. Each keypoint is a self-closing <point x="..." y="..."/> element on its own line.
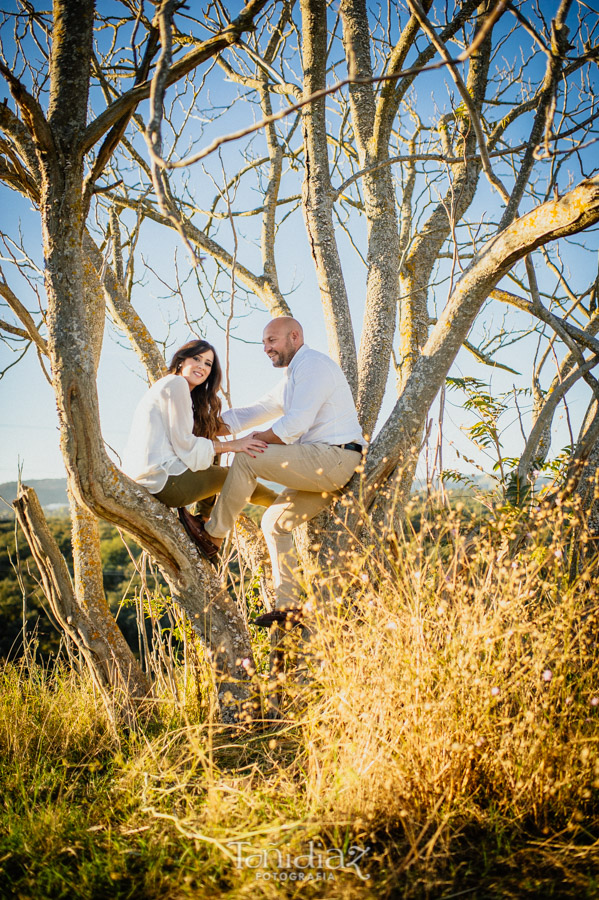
<point x="440" y="200"/>
<point x="52" y="145"/>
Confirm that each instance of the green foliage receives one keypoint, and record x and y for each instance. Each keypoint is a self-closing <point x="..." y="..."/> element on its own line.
<point x="18" y="574"/>
<point x="485" y="432"/>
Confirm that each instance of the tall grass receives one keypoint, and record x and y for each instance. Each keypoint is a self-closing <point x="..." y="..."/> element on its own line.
<point x="442" y="713"/>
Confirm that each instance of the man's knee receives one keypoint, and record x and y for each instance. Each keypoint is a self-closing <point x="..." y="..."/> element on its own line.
<point x="241" y="462"/>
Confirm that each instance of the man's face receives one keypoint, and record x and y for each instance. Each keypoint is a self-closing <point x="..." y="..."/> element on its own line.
<point x="280" y="344"/>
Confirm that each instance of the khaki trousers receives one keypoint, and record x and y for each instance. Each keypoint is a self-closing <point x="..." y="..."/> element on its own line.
<point x="194" y="487"/>
<point x="311" y="473"/>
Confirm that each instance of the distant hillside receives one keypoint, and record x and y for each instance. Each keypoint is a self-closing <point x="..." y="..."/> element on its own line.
<point x="52" y="493"/>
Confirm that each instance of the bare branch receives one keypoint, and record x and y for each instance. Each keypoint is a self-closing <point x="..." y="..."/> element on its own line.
<point x="13" y="329"/>
<point x="33" y="115"/>
<point x="125" y="315"/>
<point x="487" y="359"/>
<point x="178" y="70"/>
<point x="312" y="98"/>
<point x="23" y="142"/>
<point x="23" y="315"/>
<point x="393" y="92"/>
<point x="153" y="134"/>
<point x="317" y="201"/>
<point x="473" y="112"/>
<point x="102" y="657"/>
<point x="575" y="211"/>
<point x="545" y="416"/>
<point x="117" y="131"/>
<point x="560" y="326"/>
<point x="272" y="299"/>
<point x="559" y="46"/>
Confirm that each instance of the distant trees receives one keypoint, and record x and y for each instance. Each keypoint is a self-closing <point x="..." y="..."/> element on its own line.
<point x="17" y="575"/>
<point x="440" y="199"/>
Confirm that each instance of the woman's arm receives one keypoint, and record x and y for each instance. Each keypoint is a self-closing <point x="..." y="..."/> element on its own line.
<point x="197" y="452"/>
<point x="177" y="418"/>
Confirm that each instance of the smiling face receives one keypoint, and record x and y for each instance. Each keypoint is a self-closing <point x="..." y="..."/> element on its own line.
<point x="196" y="369"/>
<point x="282" y="339"/>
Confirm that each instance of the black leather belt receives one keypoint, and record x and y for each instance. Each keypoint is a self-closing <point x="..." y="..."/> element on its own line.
<point x="353" y="445"/>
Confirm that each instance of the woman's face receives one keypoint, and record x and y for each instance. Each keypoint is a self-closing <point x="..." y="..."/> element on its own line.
<point x="196" y="369"/>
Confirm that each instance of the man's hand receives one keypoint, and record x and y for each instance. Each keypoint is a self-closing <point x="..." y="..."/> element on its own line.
<point x="269" y="437"/>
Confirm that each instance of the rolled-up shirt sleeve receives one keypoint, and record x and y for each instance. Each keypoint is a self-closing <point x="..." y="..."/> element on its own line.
<point x="303" y="402"/>
<point x="196" y="452"/>
<point x="263" y="410"/>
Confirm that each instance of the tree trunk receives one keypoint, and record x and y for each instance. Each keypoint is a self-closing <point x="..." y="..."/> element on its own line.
<point x="398" y="440"/>
<point x="378" y="325"/>
<point x="109" y="659"/>
<point x="93" y="479"/>
<point x="318" y="197"/>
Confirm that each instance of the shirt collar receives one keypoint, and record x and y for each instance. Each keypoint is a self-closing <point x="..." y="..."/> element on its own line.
<point x="297" y="356"/>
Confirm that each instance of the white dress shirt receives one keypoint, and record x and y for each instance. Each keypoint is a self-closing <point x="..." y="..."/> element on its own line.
<point x="161" y="442"/>
<point x="313" y="400"/>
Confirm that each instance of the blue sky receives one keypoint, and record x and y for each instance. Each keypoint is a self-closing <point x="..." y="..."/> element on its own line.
<point x="28" y="424"/>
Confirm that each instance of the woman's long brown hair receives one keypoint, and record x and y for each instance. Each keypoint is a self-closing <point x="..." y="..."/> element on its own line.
<point x="205" y="401"/>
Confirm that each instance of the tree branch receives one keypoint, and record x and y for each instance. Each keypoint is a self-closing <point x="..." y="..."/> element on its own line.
<point x="117" y="131"/>
<point x="178" y="70"/>
<point x="464" y="93"/>
<point x="545" y="416"/>
<point x="273" y="300"/>
<point x="22" y="140"/>
<point x="107" y="668"/>
<point x="13" y="329"/>
<point x="124" y="314"/>
<point x="317" y="202"/>
<point x="23" y="315"/>
<point x="541" y="312"/>
<point x="559" y="46"/>
<point x="399" y="437"/>
<point x="33" y="115"/>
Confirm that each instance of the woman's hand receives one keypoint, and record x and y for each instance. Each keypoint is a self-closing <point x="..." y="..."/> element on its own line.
<point x="249" y="444"/>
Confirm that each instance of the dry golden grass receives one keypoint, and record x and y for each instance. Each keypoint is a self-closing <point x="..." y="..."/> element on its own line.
<point x="442" y="713"/>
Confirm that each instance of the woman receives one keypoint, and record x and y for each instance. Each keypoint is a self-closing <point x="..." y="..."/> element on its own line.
<point x="174" y="435"/>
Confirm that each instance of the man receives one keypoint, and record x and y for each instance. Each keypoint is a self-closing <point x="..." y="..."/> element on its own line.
<point x="314" y="447"/>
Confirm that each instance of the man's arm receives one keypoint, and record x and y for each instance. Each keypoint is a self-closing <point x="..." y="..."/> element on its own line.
<point x="266" y="408"/>
<point x="269" y="437"/>
<point x="310" y="387"/>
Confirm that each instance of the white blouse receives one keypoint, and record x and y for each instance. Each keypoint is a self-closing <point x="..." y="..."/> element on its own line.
<point x="161" y="441"/>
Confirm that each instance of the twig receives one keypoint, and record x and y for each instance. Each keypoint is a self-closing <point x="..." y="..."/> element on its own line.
<point x="153" y="133"/>
<point x="465" y="94"/>
<point x="318" y="95"/>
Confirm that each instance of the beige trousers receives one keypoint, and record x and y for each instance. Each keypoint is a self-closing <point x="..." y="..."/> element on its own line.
<point x="311" y="473"/>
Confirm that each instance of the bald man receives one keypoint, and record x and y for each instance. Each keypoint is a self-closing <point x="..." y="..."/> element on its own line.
<point x="314" y="447"/>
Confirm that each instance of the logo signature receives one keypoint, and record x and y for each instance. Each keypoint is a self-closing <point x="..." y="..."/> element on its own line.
<point x="316" y="864"/>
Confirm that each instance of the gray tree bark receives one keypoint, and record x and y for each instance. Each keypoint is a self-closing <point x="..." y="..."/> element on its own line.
<point x="117" y="674"/>
<point x="95" y="483"/>
<point x="318" y="195"/>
